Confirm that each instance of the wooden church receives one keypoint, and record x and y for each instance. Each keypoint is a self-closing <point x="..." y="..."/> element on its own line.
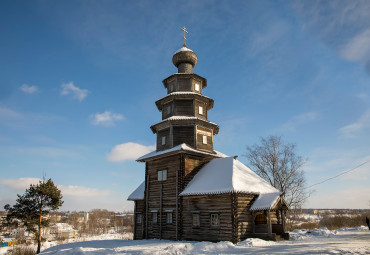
<point x="191" y="191"/>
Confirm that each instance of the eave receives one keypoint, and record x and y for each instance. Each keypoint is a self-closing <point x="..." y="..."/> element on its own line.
<point x="185" y="75"/>
<point x="184" y="95"/>
<point x="184" y="120"/>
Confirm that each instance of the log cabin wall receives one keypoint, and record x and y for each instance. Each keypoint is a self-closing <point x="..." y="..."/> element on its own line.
<point x="244" y="217"/>
<point x="205" y="206"/>
<point x="183" y="134"/>
<point x="200" y="143"/>
<point x="167" y="110"/>
<point x="167" y="144"/>
<point x="183" y="107"/>
<point x="199" y="82"/>
<point x="184" y="84"/>
<point x="139" y="223"/>
<point x="198" y="104"/>
<point x="162" y="197"/>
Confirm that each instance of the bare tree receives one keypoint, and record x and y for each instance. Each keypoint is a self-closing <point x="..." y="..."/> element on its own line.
<point x="278" y="163"/>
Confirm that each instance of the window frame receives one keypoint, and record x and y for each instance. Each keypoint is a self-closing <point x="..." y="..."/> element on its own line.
<point x="155" y="217"/>
<point x="160" y="175"/>
<point x="138" y="219"/>
<point x="200" y="110"/>
<point x="169" y="217"/>
<point x="216" y="216"/>
<point x="205" y="139"/>
<point x="196" y="223"/>
<point x="197" y="87"/>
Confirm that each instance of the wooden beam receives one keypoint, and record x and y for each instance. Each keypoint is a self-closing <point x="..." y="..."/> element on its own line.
<point x="269" y="227"/>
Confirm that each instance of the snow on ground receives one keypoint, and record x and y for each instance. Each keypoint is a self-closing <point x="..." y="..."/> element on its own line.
<point x="317" y="241"/>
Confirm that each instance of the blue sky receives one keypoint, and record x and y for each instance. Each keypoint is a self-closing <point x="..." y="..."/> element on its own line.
<point x="78" y="82"/>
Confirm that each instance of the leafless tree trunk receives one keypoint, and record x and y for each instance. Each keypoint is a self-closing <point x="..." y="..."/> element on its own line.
<point x="278" y="163"/>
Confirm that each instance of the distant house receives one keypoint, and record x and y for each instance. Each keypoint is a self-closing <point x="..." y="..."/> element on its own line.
<point x="313" y="211"/>
<point x="8" y="242"/>
<point x="67" y="234"/>
<point x="191" y="191"/>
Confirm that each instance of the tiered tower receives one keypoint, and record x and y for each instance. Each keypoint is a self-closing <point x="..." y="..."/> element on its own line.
<point x="184" y="108"/>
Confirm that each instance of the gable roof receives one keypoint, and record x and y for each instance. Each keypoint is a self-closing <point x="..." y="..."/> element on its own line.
<point x="138" y="193"/>
<point x="181" y="147"/>
<point x="265" y="201"/>
<point x="226" y="175"/>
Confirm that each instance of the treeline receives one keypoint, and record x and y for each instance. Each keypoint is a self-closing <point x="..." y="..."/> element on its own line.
<point x="330" y="221"/>
<point x="100" y="221"/>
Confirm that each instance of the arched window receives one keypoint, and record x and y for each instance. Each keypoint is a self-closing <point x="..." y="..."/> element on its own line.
<point x="260" y="219"/>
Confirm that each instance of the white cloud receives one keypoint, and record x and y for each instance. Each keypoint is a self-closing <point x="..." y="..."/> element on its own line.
<point x="128" y="151"/>
<point x="71" y="89"/>
<point x="19" y="184"/>
<point x="358" y="48"/>
<point x="106" y="118"/>
<point x="303" y="118"/>
<point x="355" y="128"/>
<point x="80" y="191"/>
<point x="28" y="89"/>
<point x="8" y="113"/>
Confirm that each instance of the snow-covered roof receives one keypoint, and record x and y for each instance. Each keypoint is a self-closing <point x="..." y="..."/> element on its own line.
<point x="183" y="49"/>
<point x="226" y="175"/>
<point x="183" y="93"/>
<point x="180" y="147"/>
<point x="138" y="193"/>
<point x="265" y="201"/>
<point x="184" y="118"/>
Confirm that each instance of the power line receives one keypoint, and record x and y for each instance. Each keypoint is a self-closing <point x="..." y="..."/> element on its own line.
<point x="345" y="172"/>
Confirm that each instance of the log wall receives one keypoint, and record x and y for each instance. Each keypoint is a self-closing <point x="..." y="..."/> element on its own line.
<point x="206" y="205"/>
<point x="162" y="197"/>
<point x="139" y="227"/>
<point x="183" y="107"/>
<point x="183" y="134"/>
<point x="160" y="134"/>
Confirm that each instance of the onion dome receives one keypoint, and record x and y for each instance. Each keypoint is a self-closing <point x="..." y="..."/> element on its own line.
<point x="185" y="59"/>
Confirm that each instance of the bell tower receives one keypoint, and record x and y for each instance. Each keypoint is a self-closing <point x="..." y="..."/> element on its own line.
<point x="184" y="108"/>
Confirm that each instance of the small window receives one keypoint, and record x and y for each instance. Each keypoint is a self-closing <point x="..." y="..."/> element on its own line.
<point x="138" y="218"/>
<point x="170" y="87"/>
<point x="163" y="140"/>
<point x="200" y="109"/>
<point x="155" y="217"/>
<point x="215" y="221"/>
<point x="196" y="87"/>
<point x="204" y="139"/>
<point x="162" y="175"/>
<point x="196" y="219"/>
<point x="169" y="218"/>
<point x="260" y="219"/>
<point x="169" y="109"/>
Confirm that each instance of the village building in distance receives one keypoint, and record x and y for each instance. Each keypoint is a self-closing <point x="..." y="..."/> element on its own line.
<point x="191" y="191"/>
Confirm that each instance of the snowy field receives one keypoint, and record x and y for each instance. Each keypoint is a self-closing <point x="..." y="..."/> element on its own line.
<point x="318" y="241"/>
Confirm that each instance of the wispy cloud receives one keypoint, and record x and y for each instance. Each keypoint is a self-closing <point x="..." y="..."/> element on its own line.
<point x="358" y="48"/>
<point x="355" y="128"/>
<point x="29" y="89"/>
<point x="6" y="113"/>
<point x="19" y="184"/>
<point x="74" y="91"/>
<point x="67" y="190"/>
<point x="106" y="118"/>
<point x="343" y="25"/>
<point x="298" y="120"/>
<point x="128" y="151"/>
<point x="81" y="191"/>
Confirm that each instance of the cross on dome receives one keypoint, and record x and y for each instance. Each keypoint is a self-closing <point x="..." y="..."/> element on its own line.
<point x="185" y="31"/>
